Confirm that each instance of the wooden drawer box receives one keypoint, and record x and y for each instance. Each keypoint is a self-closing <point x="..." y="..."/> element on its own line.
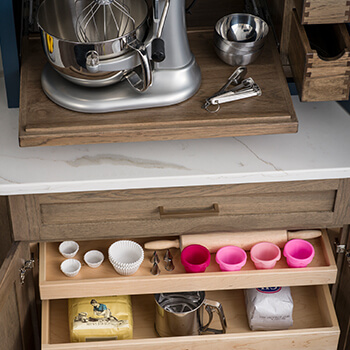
<point x="320" y="59"/>
<point x="323" y="11"/>
<point x="138" y="213"/>
<point x="315" y="326"/>
<point x="53" y="284"/>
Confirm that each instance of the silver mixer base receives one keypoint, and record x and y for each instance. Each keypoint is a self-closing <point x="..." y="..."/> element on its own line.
<point x="169" y="87"/>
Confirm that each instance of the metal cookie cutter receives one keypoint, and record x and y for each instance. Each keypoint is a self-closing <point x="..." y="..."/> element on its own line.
<point x="244" y="89"/>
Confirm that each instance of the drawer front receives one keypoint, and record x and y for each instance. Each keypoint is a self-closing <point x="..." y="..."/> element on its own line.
<point x="173" y="211"/>
<point x="315" y="326"/>
<point x="323" y="11"/>
<point x="320" y="64"/>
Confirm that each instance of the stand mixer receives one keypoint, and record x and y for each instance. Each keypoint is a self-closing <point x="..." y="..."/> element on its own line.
<point x="113" y="55"/>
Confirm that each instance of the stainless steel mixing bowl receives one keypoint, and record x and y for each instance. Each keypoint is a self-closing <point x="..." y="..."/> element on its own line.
<point x="239" y="38"/>
<point x="66" y="52"/>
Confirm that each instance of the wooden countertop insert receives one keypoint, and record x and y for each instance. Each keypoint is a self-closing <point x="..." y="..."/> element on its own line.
<point x="42" y="122"/>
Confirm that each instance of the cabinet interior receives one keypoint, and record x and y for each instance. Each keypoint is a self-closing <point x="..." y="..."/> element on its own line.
<point x="310" y="304"/>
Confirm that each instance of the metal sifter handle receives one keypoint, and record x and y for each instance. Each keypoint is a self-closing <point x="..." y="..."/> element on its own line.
<point x="214" y="306"/>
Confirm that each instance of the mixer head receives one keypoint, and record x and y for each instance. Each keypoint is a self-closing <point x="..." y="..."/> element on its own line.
<point x="102" y="20"/>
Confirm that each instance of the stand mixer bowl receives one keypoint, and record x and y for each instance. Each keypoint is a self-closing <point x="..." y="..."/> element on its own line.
<point x="62" y="23"/>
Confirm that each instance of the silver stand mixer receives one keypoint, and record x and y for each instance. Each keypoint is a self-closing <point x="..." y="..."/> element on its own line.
<point x="112" y="55"/>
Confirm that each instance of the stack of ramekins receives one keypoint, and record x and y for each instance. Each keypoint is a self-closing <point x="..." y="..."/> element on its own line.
<point x="125" y="256"/>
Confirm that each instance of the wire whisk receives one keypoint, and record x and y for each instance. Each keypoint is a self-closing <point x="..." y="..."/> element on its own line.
<point x="101" y="20"/>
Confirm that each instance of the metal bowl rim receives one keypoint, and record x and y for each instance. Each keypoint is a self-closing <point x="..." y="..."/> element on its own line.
<point x="129" y="34"/>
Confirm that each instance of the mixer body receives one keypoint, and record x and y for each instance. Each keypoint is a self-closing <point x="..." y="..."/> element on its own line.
<point x="120" y="72"/>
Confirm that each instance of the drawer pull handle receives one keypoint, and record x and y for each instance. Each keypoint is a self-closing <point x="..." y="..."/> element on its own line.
<point x="183" y="213"/>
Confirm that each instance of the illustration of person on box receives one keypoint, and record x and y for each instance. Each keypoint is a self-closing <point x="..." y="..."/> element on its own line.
<point x="103" y="316"/>
<point x="102" y="310"/>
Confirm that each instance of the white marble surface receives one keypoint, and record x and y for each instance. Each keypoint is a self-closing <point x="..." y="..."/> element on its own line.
<point x="320" y="150"/>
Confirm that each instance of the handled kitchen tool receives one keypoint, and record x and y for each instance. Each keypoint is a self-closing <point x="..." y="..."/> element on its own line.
<point x="245" y="240"/>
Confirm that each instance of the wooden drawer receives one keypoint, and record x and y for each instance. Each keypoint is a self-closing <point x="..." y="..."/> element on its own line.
<point x="323" y="11"/>
<point x="315" y="326"/>
<point x="53" y="284"/>
<point x="137" y="213"/>
<point x="320" y="59"/>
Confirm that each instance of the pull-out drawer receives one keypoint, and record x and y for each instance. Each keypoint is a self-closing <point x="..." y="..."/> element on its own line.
<point x="174" y="211"/>
<point x="323" y="11"/>
<point x="315" y="326"/>
<point x="320" y="59"/>
<point x="53" y="284"/>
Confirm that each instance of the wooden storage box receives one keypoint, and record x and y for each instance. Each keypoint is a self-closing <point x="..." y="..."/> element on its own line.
<point x="320" y="65"/>
<point x="53" y="284"/>
<point x="315" y="326"/>
<point x="323" y="11"/>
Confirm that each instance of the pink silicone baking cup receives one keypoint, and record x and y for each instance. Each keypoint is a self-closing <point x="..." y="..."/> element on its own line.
<point x="265" y="255"/>
<point x="195" y="258"/>
<point x="231" y="258"/>
<point x="298" y="252"/>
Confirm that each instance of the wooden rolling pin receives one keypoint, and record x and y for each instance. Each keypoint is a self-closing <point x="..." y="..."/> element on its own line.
<point x="245" y="240"/>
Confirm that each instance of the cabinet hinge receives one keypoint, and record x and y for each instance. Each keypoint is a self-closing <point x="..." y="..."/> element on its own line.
<point x="28" y="265"/>
<point x="339" y="248"/>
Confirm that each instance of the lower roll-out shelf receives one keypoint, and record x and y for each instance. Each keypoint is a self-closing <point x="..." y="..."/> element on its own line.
<point x="315" y="326"/>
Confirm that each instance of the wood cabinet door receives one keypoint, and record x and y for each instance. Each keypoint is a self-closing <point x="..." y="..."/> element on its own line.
<point x="342" y="302"/>
<point x="19" y="326"/>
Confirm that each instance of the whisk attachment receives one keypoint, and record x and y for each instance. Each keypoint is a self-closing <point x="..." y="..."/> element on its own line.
<point x="101" y="20"/>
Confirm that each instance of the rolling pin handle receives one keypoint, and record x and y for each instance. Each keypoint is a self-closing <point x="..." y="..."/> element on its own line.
<point x="162" y="244"/>
<point x="304" y="234"/>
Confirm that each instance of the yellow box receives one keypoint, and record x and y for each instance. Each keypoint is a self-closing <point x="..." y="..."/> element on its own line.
<point x="100" y="318"/>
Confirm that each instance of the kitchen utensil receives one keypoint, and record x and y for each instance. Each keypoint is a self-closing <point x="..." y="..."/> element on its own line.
<point x="125" y="256"/>
<point x="169" y="265"/>
<point x="195" y="258"/>
<point x="146" y="53"/>
<point x="180" y="314"/>
<point x="298" y="252"/>
<point x="101" y="20"/>
<point x="265" y="255"/>
<point x="248" y="88"/>
<point x="243" y="27"/>
<point x="155" y="269"/>
<point x="231" y="258"/>
<point x="68" y="248"/>
<point x="168" y="259"/>
<point x="245" y="240"/>
<point x="167" y="255"/>
<point x="155" y="257"/>
<point x="70" y="267"/>
<point x="93" y="258"/>
<point x="239" y="38"/>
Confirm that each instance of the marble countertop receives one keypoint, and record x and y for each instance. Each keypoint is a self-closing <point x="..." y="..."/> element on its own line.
<point x="320" y="150"/>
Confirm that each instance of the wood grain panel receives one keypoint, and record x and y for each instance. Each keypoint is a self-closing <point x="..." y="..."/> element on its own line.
<point x="5" y="228"/>
<point x="9" y="319"/>
<point x="25" y="218"/>
<point x="44" y="123"/>
<point x="100" y="211"/>
<point x="135" y="213"/>
<point x="323" y="11"/>
<point x="18" y="318"/>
